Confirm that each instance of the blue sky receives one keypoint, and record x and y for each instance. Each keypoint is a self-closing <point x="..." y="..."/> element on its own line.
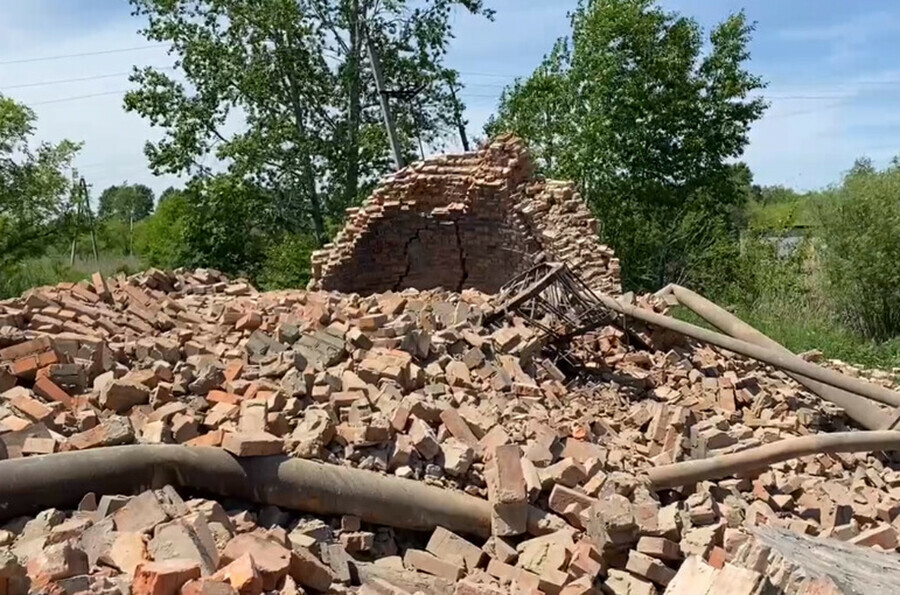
<point x="833" y="85"/>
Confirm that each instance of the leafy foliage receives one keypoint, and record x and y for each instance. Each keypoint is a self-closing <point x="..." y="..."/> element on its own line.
<point x="287" y="263"/>
<point x="162" y="240"/>
<point x="647" y="125"/>
<point x="859" y="250"/>
<point x="35" y="187"/>
<point x="291" y="78"/>
<point x="126" y="202"/>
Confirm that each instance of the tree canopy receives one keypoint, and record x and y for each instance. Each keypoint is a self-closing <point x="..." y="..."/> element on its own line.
<point x="126" y="202"/>
<point x="632" y="108"/>
<point x="35" y="185"/>
<point x="281" y="93"/>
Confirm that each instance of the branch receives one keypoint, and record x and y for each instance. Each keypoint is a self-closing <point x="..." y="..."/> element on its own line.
<point x="328" y="23"/>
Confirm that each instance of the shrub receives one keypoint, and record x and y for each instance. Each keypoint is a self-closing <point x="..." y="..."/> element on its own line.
<point x="287" y="263"/>
<point x="161" y="239"/>
<point x="859" y="251"/>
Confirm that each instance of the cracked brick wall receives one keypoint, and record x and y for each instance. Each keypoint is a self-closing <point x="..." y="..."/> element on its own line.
<point x="473" y="220"/>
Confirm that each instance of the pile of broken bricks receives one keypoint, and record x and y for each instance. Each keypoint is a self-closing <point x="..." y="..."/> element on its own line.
<point x="411" y="385"/>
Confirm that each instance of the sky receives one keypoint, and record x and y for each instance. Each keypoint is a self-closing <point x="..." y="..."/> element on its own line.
<point x="833" y="86"/>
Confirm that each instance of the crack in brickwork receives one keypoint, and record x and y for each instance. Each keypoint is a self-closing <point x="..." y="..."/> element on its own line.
<point x="500" y="212"/>
<point x="462" y="258"/>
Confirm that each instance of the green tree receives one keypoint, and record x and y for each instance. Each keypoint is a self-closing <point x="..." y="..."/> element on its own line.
<point x="170" y="192"/>
<point x="126" y="202"/>
<point x="292" y="78"/>
<point x="35" y="187"/>
<point x="859" y="249"/>
<point x="648" y="124"/>
<point x="163" y="239"/>
<point x="224" y="224"/>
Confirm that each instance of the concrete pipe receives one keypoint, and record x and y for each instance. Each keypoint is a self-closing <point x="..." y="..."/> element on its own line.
<point x="691" y="472"/>
<point x="858" y="408"/>
<point x="28" y="485"/>
<point x="763" y="354"/>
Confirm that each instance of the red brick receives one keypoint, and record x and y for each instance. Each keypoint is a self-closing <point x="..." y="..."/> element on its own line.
<point x="58" y="561"/>
<point x="884" y="536"/>
<point x="458" y="427"/>
<point x="249" y="322"/>
<point x="649" y="568"/>
<point x="446" y="545"/>
<point x="234" y="370"/>
<point x="213" y="438"/>
<point x="510" y="485"/>
<point x="14" y="423"/>
<point x="271" y="560"/>
<point x="163" y="578"/>
<point x="242" y="574"/>
<point x="425" y="562"/>
<point x="27" y="348"/>
<point x="220" y="396"/>
<point x="717" y="557"/>
<point x="659" y="547"/>
<point x="309" y="571"/>
<point x="48" y="389"/>
<point x="141" y="514"/>
<point x="31" y="408"/>
<point x="257" y="444"/>
<point x="39" y="446"/>
<point x="26" y="367"/>
<point x="100" y="287"/>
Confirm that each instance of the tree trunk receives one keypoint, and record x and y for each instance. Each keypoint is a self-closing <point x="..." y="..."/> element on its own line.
<point x="460" y="125"/>
<point x="309" y="174"/>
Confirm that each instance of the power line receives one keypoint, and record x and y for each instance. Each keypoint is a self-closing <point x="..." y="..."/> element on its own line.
<point x="77" y="80"/>
<point x="83" y="54"/>
<point x="77" y="97"/>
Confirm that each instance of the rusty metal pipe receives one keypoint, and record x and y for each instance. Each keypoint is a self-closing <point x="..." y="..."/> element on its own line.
<point x="691" y="472"/>
<point x="857" y="407"/>
<point x="28" y="485"/>
<point x="768" y="356"/>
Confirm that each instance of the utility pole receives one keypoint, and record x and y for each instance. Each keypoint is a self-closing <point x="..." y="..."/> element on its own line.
<point x="82" y="210"/>
<point x="385" y="103"/>
<point x="90" y="214"/>
<point x="458" y="117"/>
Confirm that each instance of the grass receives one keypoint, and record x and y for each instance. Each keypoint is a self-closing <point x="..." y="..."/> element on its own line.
<point x="801" y="328"/>
<point x="50" y="270"/>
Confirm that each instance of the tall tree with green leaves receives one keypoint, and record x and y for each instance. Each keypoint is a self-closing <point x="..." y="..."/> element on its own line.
<point x="35" y="186"/>
<point x="281" y="93"/>
<point x="649" y="125"/>
<point x="126" y="202"/>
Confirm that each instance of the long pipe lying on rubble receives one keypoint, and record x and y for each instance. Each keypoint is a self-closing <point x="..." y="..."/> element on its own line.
<point x="28" y="485"/>
<point x="32" y="484"/>
<point x="690" y="472"/>
<point x="858" y="408"/>
<point x="773" y="358"/>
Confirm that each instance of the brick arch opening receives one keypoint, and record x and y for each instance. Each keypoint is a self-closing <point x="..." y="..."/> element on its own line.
<point x="454" y="249"/>
<point x="463" y="221"/>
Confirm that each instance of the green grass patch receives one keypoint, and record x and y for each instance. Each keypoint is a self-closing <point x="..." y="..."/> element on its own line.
<point x="50" y="270"/>
<point x="803" y="329"/>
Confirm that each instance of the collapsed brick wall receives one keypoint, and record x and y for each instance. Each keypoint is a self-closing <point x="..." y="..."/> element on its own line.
<point x="473" y="220"/>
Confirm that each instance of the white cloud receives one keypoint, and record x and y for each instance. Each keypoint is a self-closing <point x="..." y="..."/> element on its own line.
<point x="113" y="139"/>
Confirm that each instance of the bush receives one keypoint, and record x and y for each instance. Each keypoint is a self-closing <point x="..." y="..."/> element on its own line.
<point x="223" y="227"/>
<point x="859" y="251"/>
<point x="287" y="263"/>
<point x="162" y="239"/>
